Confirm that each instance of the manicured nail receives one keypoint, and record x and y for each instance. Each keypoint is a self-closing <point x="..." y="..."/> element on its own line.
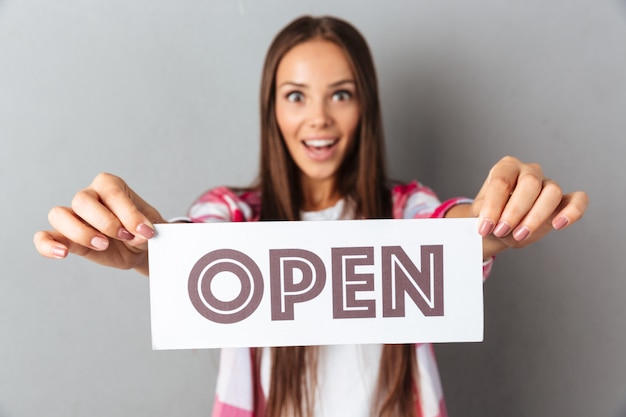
<point x="521" y="233"/>
<point x="124" y="234"/>
<point x="560" y="223"/>
<point x="59" y="252"/>
<point x="99" y="243"/>
<point x="485" y="227"/>
<point x="502" y="229"/>
<point x="145" y="230"/>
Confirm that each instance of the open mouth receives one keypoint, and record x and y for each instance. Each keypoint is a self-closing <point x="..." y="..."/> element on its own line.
<point x="320" y="144"/>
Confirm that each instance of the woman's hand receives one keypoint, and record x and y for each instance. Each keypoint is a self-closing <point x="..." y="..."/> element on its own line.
<point x="517" y="206"/>
<point x="107" y="223"/>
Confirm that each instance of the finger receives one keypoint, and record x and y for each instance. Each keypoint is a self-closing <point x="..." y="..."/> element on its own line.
<point x="496" y="191"/>
<point x="53" y="244"/>
<point x="49" y="246"/>
<point x="75" y="230"/>
<point x="571" y="209"/>
<point x="530" y="186"/>
<point x="541" y="212"/>
<point x="87" y="206"/>
<point x="129" y="210"/>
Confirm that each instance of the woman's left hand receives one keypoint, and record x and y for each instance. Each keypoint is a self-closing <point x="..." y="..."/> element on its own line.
<point x="517" y="206"/>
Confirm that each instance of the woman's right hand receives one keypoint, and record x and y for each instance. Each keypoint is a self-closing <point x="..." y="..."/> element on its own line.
<point x="107" y="223"/>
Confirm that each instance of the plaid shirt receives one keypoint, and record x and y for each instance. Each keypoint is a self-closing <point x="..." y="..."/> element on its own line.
<point x="237" y="384"/>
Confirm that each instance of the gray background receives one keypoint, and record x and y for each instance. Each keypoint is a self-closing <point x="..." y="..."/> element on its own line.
<point x="164" y="94"/>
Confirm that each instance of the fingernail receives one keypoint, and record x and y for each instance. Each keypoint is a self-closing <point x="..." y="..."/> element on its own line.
<point x="521" y="233"/>
<point x="560" y="223"/>
<point x="99" y="243"/>
<point x="502" y="229"/>
<point x="145" y="230"/>
<point x="59" y="252"/>
<point x="124" y="234"/>
<point x="485" y="227"/>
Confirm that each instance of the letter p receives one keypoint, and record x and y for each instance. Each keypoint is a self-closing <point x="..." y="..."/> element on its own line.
<point x="289" y="287"/>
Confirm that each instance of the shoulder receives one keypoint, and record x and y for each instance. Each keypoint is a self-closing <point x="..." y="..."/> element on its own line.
<point x="412" y="200"/>
<point x="226" y="205"/>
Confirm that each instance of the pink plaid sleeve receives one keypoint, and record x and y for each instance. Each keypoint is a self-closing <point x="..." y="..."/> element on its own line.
<point x="416" y="201"/>
<point x="224" y="205"/>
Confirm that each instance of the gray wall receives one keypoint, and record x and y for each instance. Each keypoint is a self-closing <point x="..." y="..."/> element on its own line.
<point x="164" y="93"/>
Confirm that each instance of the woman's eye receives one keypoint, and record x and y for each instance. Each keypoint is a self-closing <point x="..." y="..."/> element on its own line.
<point x="295" y="97"/>
<point x="342" y="95"/>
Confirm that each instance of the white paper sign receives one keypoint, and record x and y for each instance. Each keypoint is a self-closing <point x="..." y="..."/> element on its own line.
<point x="315" y="283"/>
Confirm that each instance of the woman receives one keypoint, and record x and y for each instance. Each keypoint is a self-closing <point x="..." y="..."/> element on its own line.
<point x="322" y="157"/>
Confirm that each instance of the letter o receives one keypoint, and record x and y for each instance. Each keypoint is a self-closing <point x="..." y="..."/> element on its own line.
<point x="240" y="265"/>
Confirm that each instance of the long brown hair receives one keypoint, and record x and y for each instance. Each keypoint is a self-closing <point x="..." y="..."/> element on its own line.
<point x="362" y="179"/>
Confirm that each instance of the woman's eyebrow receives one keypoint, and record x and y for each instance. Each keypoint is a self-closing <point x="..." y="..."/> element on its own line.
<point x="292" y="84"/>
<point x="341" y="82"/>
<point x="303" y="85"/>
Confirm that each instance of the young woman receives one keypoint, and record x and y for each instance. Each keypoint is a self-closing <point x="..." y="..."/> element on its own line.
<point x="322" y="158"/>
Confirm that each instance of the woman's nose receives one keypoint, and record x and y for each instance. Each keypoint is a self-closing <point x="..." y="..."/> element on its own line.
<point x="319" y="114"/>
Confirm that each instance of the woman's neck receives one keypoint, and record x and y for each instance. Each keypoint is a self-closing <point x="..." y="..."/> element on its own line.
<point x="319" y="195"/>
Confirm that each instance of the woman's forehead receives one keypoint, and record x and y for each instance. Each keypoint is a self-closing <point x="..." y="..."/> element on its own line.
<point x="315" y="61"/>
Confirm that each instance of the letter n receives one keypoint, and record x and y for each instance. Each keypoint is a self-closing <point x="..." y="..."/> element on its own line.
<point x="401" y="277"/>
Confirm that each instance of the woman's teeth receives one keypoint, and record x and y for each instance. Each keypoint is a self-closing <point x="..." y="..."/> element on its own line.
<point x="319" y="143"/>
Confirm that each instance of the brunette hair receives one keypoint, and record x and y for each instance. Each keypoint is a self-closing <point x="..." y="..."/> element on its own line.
<point x="362" y="179"/>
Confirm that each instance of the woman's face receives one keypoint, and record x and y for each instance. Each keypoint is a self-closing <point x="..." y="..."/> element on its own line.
<point x="317" y="108"/>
